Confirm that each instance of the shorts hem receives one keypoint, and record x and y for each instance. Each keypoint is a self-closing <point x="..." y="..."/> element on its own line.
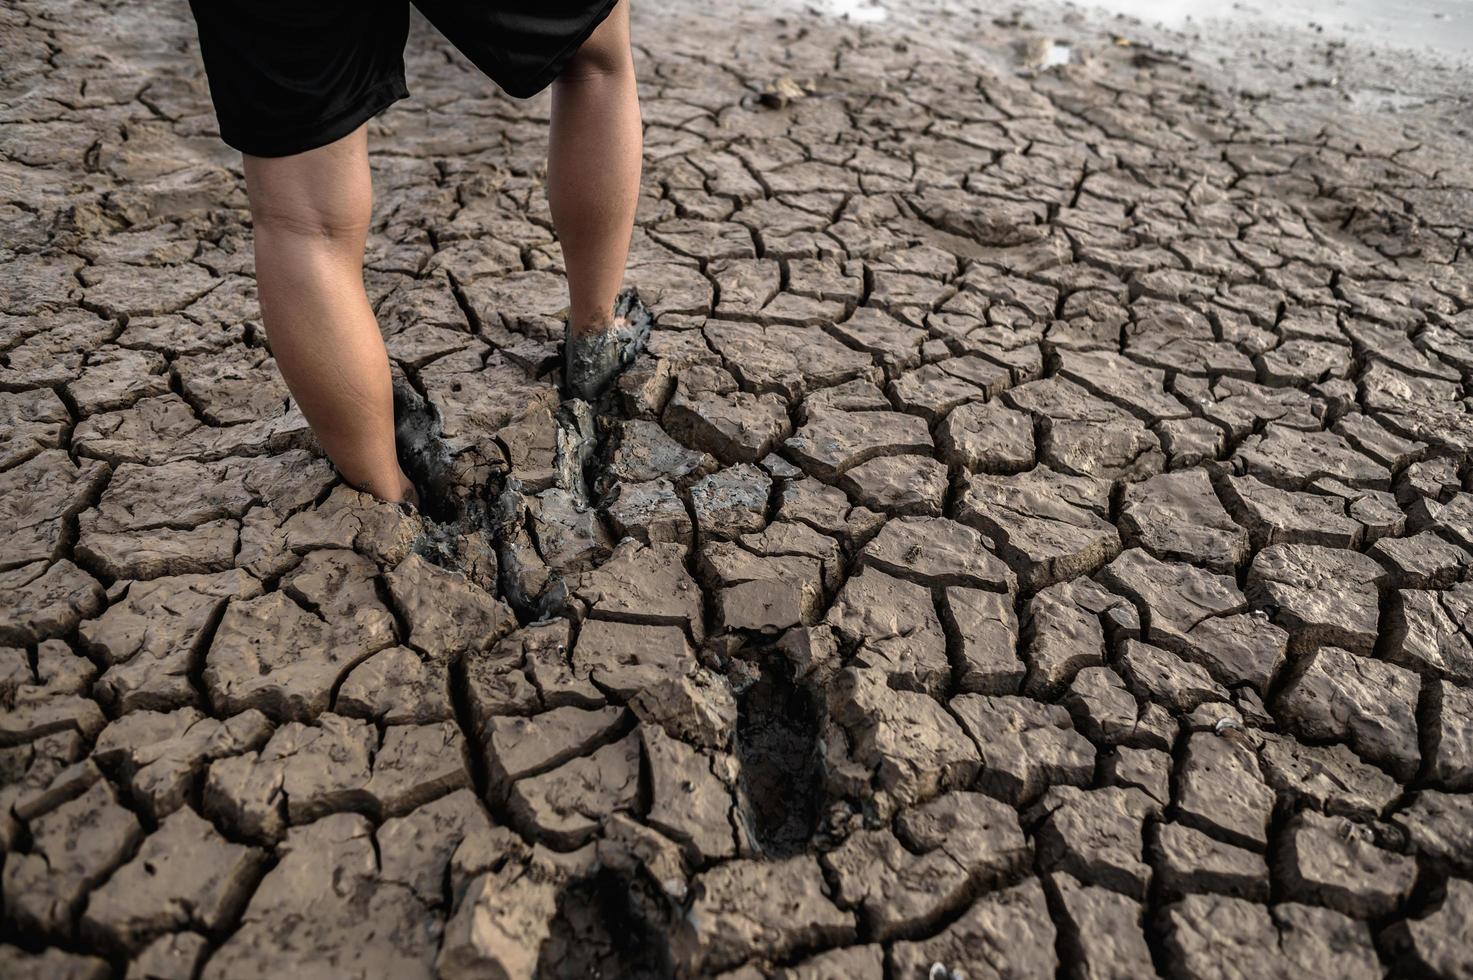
<point x="316" y="134"/>
<point x="555" y="65"/>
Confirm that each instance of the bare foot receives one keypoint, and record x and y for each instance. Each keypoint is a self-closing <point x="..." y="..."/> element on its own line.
<point x="594" y="354"/>
<point x="404" y="493"/>
<point x="591" y="358"/>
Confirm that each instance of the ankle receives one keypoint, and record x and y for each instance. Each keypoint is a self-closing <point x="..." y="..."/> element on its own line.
<point x="590" y="328"/>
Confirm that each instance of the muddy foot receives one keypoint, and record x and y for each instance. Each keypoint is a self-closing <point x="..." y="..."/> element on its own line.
<point x="592" y="361"/>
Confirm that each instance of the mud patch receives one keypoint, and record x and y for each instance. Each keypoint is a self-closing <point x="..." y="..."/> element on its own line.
<point x="423" y="454"/>
<point x="777" y="743"/>
<point x="459" y="533"/>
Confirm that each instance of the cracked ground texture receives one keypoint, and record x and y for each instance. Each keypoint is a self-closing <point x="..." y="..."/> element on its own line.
<point x="1035" y="538"/>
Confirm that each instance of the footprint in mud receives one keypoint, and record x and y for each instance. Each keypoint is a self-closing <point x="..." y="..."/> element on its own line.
<point x="602" y="929"/>
<point x="777" y="743"/>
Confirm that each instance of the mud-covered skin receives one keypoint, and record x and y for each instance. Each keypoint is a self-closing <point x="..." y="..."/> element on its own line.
<point x="1035" y="529"/>
<point x="592" y="359"/>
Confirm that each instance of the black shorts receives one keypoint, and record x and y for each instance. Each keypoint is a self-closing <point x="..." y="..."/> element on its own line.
<point x="291" y="75"/>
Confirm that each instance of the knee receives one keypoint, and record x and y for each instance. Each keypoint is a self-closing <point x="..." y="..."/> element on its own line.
<point x="606" y="52"/>
<point x="333" y="223"/>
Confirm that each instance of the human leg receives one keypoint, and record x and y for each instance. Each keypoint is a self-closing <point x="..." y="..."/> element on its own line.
<point x="593" y="169"/>
<point x="311" y="213"/>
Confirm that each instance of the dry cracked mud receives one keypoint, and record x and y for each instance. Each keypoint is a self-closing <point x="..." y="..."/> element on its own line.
<point x="1034" y="540"/>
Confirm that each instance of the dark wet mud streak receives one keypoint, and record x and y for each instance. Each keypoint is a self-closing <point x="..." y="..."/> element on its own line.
<point x="1032" y="538"/>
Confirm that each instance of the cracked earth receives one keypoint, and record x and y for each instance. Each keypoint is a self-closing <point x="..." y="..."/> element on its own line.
<point x="1036" y="535"/>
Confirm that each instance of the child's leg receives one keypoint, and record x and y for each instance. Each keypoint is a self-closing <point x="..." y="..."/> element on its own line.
<point x="311" y="213"/>
<point x="593" y="166"/>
